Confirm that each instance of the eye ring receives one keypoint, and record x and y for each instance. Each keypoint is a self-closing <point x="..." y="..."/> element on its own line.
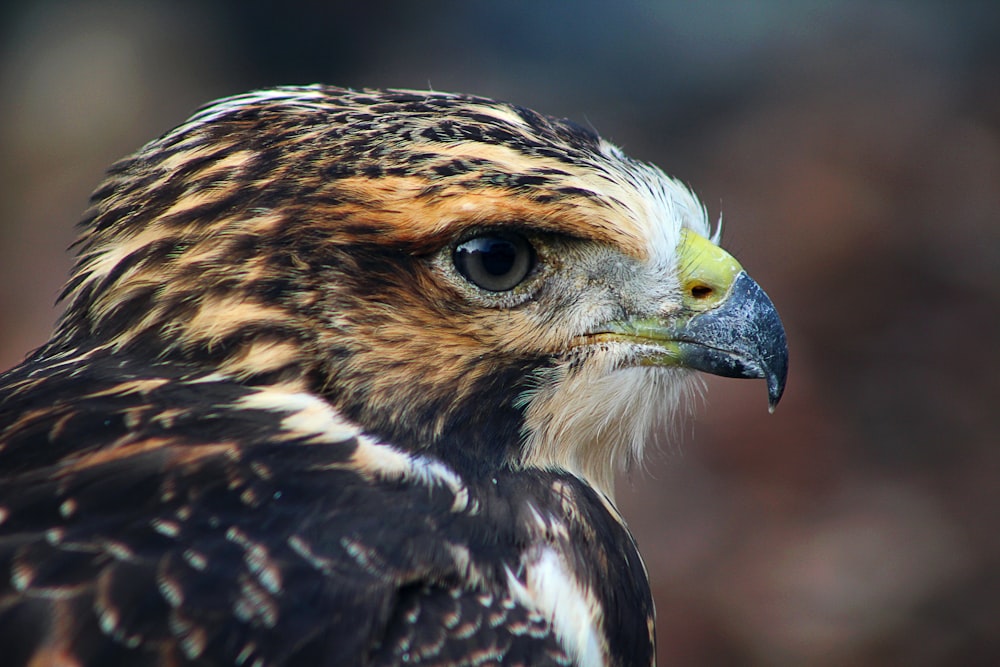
<point x="495" y="261"/>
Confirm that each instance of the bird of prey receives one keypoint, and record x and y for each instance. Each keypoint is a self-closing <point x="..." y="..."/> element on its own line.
<point x="344" y="378"/>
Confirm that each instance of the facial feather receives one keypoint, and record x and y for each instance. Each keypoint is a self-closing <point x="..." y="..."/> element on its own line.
<point x="305" y="236"/>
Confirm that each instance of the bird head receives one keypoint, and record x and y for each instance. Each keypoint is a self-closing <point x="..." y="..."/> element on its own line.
<point x="457" y="275"/>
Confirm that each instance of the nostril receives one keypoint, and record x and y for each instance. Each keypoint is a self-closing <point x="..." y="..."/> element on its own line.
<point x="700" y="291"/>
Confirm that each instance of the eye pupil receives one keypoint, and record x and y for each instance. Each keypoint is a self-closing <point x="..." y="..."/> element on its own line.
<point x="498" y="257"/>
<point x="494" y="262"/>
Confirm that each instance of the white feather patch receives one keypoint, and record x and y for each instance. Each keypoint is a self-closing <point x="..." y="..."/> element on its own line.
<point x="554" y="592"/>
<point x="305" y="415"/>
<point x="309" y="415"/>
<point x="596" y="418"/>
<point x="659" y="205"/>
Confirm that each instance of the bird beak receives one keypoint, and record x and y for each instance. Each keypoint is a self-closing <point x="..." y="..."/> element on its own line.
<point x="727" y="325"/>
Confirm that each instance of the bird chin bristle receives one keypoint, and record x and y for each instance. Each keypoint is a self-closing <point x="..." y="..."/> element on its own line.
<point x="595" y="421"/>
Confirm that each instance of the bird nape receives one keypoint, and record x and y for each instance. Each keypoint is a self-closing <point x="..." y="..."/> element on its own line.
<point x="344" y="378"/>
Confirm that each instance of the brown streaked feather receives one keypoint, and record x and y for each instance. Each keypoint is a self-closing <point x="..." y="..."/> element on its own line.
<point x="276" y="426"/>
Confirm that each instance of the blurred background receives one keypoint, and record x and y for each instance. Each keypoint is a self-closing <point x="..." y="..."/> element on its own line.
<point x="853" y="148"/>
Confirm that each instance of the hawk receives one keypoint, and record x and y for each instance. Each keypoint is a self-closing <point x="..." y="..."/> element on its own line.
<point x="344" y="378"/>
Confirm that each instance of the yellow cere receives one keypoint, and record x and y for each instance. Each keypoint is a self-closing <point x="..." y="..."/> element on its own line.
<point x="706" y="271"/>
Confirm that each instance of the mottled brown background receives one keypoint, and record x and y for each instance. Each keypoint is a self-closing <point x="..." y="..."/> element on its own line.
<point x="854" y="148"/>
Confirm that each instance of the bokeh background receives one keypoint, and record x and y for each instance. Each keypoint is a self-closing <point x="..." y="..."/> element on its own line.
<point x="853" y="148"/>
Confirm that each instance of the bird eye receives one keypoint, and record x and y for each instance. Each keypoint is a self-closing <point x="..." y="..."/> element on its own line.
<point x="494" y="262"/>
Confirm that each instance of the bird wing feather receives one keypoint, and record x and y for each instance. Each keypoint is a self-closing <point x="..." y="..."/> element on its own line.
<point x="153" y="517"/>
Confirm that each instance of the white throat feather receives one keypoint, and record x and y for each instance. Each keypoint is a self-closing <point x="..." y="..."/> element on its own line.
<point x="597" y="417"/>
